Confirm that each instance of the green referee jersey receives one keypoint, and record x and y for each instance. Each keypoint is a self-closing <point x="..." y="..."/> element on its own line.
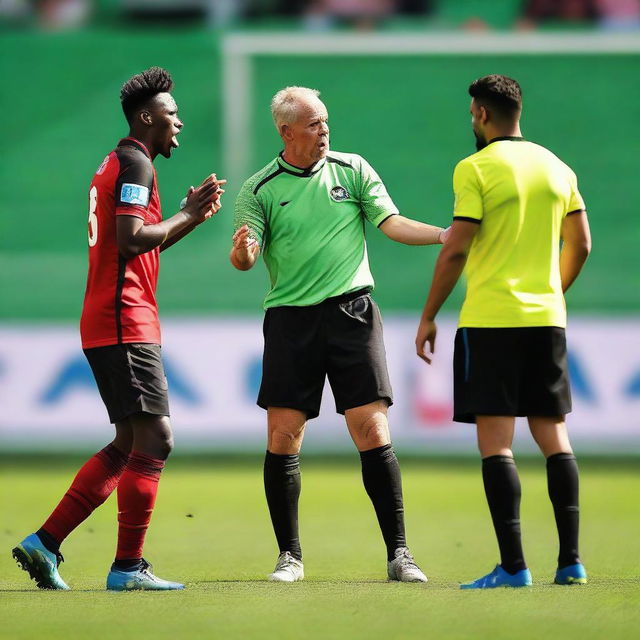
<point x="519" y="193"/>
<point x="310" y="225"/>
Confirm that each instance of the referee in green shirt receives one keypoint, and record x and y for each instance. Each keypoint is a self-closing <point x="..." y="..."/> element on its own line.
<point x="306" y="213"/>
<point x="515" y="202"/>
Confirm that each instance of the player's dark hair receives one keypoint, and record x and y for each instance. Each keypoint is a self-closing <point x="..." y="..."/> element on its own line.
<point x="499" y="94"/>
<point x="139" y="89"/>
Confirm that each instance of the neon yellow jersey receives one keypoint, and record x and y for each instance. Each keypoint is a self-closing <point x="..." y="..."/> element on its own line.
<point x="519" y="193"/>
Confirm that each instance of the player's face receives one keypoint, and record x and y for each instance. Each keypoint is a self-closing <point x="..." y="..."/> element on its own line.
<point x="166" y="123"/>
<point x="477" y="115"/>
<point x="309" y="135"/>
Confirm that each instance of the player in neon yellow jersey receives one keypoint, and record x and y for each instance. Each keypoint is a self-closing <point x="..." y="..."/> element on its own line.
<point x="306" y="213"/>
<point x="514" y="203"/>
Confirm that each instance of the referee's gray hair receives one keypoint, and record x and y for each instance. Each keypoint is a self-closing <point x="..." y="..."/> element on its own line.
<point x="284" y="105"/>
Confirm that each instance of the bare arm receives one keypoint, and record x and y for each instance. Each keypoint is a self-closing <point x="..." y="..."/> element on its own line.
<point x="448" y="269"/>
<point x="245" y="249"/>
<point x="576" y="246"/>
<point x="135" y="238"/>
<point x="408" y="231"/>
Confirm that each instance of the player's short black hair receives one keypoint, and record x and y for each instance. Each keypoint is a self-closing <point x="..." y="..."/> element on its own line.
<point x="500" y="94"/>
<point x="139" y="89"/>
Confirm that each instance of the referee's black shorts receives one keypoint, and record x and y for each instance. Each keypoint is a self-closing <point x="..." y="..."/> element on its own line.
<point x="130" y="378"/>
<point x="340" y="338"/>
<point x="510" y="372"/>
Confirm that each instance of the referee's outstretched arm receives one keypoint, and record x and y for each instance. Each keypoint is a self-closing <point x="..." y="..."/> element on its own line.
<point x="576" y="246"/>
<point x="408" y="231"/>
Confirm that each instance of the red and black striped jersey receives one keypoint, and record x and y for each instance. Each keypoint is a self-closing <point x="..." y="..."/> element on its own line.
<point x="120" y="299"/>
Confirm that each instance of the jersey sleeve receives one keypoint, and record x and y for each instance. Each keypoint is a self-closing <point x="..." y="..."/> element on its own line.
<point x="134" y="184"/>
<point x="376" y="203"/>
<point x="576" y="203"/>
<point x="249" y="211"/>
<point x="467" y="193"/>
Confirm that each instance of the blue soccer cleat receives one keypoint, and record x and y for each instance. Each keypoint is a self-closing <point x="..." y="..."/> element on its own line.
<point x="500" y="578"/>
<point x="40" y="563"/>
<point x="573" y="574"/>
<point x="140" y="579"/>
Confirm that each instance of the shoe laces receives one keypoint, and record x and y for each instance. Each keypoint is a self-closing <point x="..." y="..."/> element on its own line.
<point x="145" y="567"/>
<point x="286" y="560"/>
<point x="59" y="558"/>
<point x="404" y="556"/>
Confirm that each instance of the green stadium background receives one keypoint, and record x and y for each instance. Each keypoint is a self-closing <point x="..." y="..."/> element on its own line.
<point x="407" y="115"/>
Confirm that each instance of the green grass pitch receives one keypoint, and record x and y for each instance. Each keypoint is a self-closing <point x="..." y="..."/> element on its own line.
<point x="211" y="529"/>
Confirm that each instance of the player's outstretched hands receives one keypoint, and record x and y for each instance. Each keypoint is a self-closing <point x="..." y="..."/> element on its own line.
<point x="203" y="202"/>
<point x="244" y="245"/>
<point x="427" y="330"/>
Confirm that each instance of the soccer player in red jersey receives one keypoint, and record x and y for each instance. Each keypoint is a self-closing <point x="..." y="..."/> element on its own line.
<point x="121" y="337"/>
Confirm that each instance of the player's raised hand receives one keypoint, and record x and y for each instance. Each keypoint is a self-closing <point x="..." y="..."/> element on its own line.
<point x="216" y="204"/>
<point x="427" y="330"/>
<point x="203" y="201"/>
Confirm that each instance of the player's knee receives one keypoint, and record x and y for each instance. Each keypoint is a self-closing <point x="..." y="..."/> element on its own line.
<point x="164" y="441"/>
<point x="153" y="436"/>
<point x="165" y="447"/>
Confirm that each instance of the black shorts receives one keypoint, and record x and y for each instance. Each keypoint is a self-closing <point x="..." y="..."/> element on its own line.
<point x="340" y="338"/>
<point x="130" y="379"/>
<point x="510" y="372"/>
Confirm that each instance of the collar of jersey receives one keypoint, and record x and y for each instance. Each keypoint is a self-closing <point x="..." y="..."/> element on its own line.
<point x="499" y="138"/>
<point x="132" y="142"/>
<point x="297" y="171"/>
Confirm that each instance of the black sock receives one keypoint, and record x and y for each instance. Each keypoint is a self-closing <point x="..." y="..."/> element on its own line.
<point x="563" y="483"/>
<point x="382" y="480"/>
<point x="282" y="487"/>
<point x="502" y="488"/>
<point x="50" y="543"/>
<point x="127" y="565"/>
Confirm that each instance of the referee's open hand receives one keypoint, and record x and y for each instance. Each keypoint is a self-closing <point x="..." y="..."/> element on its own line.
<point x="427" y="330"/>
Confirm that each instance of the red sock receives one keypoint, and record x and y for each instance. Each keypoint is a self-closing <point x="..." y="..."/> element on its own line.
<point x="137" y="491"/>
<point x="92" y="485"/>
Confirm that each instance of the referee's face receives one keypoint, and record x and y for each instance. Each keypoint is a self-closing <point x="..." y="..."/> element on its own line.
<point x="307" y="139"/>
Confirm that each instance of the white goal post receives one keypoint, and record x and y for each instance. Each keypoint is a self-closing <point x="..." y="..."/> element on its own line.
<point x="239" y="50"/>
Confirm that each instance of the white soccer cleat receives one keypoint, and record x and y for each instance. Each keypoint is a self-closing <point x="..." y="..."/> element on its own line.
<point x="403" y="568"/>
<point x="288" y="569"/>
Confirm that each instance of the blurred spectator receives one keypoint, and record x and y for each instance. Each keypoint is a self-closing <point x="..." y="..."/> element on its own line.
<point x="619" y="15"/>
<point x="363" y="14"/>
<point x="15" y="9"/>
<point x="58" y="15"/>
<point x="221" y="13"/>
<point x="540" y="11"/>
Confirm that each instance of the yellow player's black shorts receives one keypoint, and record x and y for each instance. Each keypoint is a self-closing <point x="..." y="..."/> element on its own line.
<point x="130" y="378"/>
<point x="520" y="371"/>
<point x="340" y="338"/>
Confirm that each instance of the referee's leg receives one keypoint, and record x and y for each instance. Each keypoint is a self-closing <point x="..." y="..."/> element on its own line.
<point x="502" y="487"/>
<point x="369" y="429"/>
<point x="550" y="433"/>
<point x="282" y="475"/>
